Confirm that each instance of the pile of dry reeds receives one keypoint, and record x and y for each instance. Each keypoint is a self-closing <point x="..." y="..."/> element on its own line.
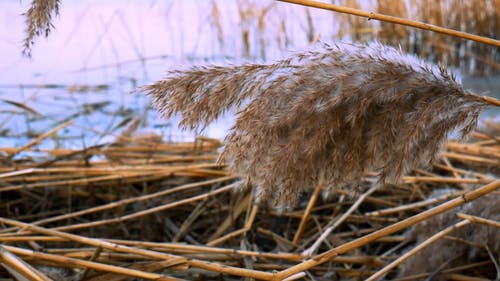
<point x="161" y="211"/>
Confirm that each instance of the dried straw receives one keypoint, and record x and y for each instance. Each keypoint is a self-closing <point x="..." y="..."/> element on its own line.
<point x="57" y="216"/>
<point x="38" y="18"/>
<point x="395" y="20"/>
<point x="471" y="243"/>
<point x="327" y="116"/>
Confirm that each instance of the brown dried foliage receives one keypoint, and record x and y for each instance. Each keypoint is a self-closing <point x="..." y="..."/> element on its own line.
<point x="446" y="253"/>
<point x="38" y="19"/>
<point x="323" y="117"/>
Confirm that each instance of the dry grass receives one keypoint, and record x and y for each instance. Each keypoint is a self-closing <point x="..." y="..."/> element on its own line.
<point x="325" y="117"/>
<point x="168" y="212"/>
<point x="39" y="21"/>
<point x="466" y="245"/>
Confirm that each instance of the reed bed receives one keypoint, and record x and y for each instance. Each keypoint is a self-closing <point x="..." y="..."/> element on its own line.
<point x="261" y="28"/>
<point x="166" y="211"/>
<point x="142" y="208"/>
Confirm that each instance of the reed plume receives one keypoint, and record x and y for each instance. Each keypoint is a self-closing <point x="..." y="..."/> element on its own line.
<point x="325" y="116"/>
<point x="39" y="21"/>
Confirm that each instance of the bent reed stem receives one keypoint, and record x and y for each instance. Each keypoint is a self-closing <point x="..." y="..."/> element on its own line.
<point x="396" y="20"/>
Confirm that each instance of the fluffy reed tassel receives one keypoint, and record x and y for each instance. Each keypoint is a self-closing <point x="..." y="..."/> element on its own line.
<point x="38" y="19"/>
<point x="323" y="117"/>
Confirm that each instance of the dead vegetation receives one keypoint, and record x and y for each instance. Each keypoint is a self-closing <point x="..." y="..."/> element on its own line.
<point x="171" y="213"/>
<point x="465" y="245"/>
<point x="141" y="208"/>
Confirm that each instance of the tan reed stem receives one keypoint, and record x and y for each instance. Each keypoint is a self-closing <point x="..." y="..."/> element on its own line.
<point x="416" y="249"/>
<point x="91" y="241"/>
<point x="94" y="257"/>
<point x="401" y="21"/>
<point x="146" y="253"/>
<point x="411" y="206"/>
<point x="181" y="248"/>
<point x="39" y="138"/>
<point x="477" y="219"/>
<point x="88" y="264"/>
<point x="354" y="207"/>
<point x="236" y="212"/>
<point x="12" y="262"/>
<point x="245" y="229"/>
<point x="148" y="211"/>
<point x="124" y="202"/>
<point x="324" y="257"/>
<point x="306" y="214"/>
<point x="295" y="276"/>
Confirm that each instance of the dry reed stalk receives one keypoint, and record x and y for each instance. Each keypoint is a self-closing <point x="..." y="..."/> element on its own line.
<point x="146" y="253"/>
<point x="323" y="117"/>
<point x="455" y="252"/>
<point x="38" y="18"/>
<point x="131" y="176"/>
<point x="67" y="261"/>
<point x="241" y="206"/>
<point x="248" y="225"/>
<point x="332" y="225"/>
<point x="396" y="20"/>
<point x="40" y="138"/>
<point x="135" y="215"/>
<point x="122" y="203"/>
<point x="415" y="205"/>
<point x="306" y="214"/>
<point x="352" y="26"/>
<point x="415" y="250"/>
<point x="18" y="268"/>
<point x="477" y="219"/>
<point x="187" y="250"/>
<point x="354" y="244"/>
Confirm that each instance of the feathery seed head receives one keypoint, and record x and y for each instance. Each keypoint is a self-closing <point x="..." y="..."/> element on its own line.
<point x="326" y="116"/>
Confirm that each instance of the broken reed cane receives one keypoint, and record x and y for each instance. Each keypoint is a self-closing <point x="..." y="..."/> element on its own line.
<point x="324" y="117"/>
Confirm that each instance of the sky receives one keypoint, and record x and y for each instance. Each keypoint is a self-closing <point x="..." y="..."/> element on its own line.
<point x="94" y="33"/>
